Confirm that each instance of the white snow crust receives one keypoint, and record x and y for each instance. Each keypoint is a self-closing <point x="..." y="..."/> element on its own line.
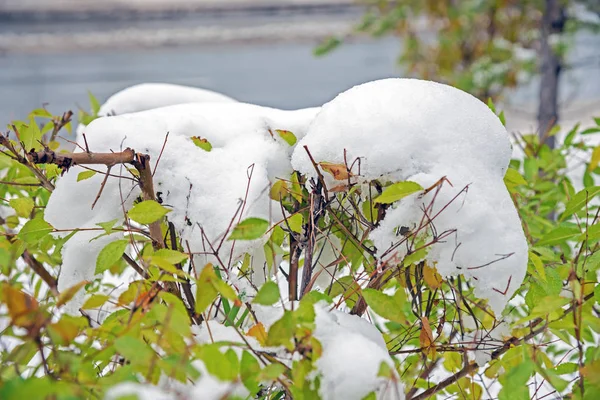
<point x="401" y="129"/>
<point x="146" y="96"/>
<point x="203" y="189"/>
<point x="421" y="131"/>
<point x="353" y="350"/>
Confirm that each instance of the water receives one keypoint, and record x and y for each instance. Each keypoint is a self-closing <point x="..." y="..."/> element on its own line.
<point x="284" y="75"/>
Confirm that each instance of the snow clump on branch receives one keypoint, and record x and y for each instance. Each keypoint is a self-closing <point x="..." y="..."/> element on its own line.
<point x="421" y="131"/>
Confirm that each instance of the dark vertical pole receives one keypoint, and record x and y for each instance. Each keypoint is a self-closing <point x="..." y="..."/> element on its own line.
<point x="553" y="22"/>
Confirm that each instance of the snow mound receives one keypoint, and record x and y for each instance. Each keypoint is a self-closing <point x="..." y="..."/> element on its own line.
<point x="421" y="131"/>
<point x="353" y="350"/>
<point x="147" y="96"/>
<point x="204" y="189"/>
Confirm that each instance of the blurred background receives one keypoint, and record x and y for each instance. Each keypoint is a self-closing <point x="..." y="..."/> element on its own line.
<point x="301" y="53"/>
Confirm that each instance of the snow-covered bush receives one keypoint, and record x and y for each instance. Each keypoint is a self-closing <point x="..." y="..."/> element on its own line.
<point x="381" y="246"/>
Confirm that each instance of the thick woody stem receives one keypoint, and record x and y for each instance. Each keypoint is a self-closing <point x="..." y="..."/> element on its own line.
<point x="39" y="269"/>
<point x="142" y="164"/>
<point x="67" y="160"/>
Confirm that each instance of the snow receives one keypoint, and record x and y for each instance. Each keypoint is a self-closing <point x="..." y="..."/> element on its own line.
<point x="421" y="131"/>
<point x="203" y="189"/>
<point x="147" y="96"/>
<point x="353" y="350"/>
<point x="141" y="391"/>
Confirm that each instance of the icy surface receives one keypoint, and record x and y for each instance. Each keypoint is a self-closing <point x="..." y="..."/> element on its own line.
<point x="203" y="189"/>
<point x="407" y="129"/>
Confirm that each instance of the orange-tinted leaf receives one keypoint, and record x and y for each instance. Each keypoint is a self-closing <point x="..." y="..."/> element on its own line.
<point x="340" y="188"/>
<point x="426" y="337"/>
<point x="23" y="309"/>
<point x="258" y="332"/>
<point x="338" y="171"/>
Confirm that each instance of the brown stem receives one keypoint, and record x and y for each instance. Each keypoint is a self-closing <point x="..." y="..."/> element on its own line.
<point x="142" y="164"/>
<point x="39" y="269"/>
<point x="67" y="160"/>
<point x="508" y="344"/>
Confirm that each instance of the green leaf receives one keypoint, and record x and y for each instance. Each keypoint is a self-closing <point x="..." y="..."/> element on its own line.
<point x="398" y="191"/>
<point x="94" y="104"/>
<point x="249" y="229"/>
<point x="34" y="230"/>
<point x="295" y="222"/>
<point x="83" y="175"/>
<point x="579" y="201"/>
<point x="41" y="112"/>
<point x="268" y="294"/>
<point x="224" y="289"/>
<point x="205" y="290"/>
<point x="68" y="294"/>
<point x="513" y="177"/>
<point x="110" y="254"/>
<point x="95" y="301"/>
<point x="538" y="265"/>
<point x="249" y="370"/>
<point x="490" y="104"/>
<point x="108" y="226"/>
<point x="271" y="372"/>
<point x="566" y="368"/>
<point x="218" y="364"/>
<point x="22" y="206"/>
<point x="590" y="131"/>
<point x="595" y="160"/>
<point x="202" y="143"/>
<point x="558" y="235"/>
<point x="288" y="136"/>
<point x="147" y="212"/>
<point x="171" y="256"/>
<point x="327" y="46"/>
<point x="282" y="331"/>
<point x="571" y="135"/>
<point x="134" y="350"/>
<point x="389" y="307"/>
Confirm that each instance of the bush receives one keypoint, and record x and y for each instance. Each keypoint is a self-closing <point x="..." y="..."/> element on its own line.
<point x="166" y="311"/>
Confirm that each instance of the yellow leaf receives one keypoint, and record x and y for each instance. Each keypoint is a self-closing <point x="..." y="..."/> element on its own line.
<point x="66" y="329"/>
<point x="432" y="278"/>
<point x="338" y="171"/>
<point x="258" y="332"/>
<point x="279" y="190"/>
<point x="22" y="308"/>
<point x="595" y="160"/>
<point x="68" y="294"/>
<point x="426" y="337"/>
